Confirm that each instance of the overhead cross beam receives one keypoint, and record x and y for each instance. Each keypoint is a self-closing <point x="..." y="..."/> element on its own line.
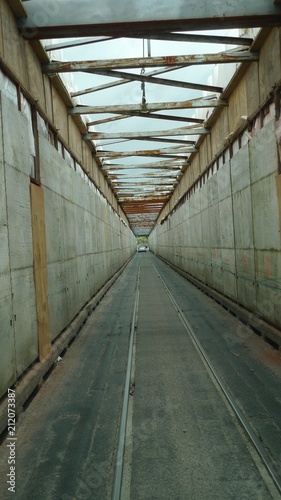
<point x="191" y="38"/>
<point x="170" y="152"/>
<point x="229" y="56"/>
<point x="154" y="165"/>
<point x="147" y="79"/>
<point x="76" y="43"/>
<point x="204" y="102"/>
<point x="83" y="18"/>
<point x="148" y="134"/>
<point x="150" y="115"/>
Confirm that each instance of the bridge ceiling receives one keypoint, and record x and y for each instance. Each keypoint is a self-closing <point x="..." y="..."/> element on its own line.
<point x="140" y="72"/>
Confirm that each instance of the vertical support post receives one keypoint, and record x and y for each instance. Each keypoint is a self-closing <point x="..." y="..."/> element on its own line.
<point x="40" y="270"/>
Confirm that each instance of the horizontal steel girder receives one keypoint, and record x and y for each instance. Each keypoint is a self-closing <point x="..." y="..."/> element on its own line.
<point x="149" y="152"/>
<point x="229" y="56"/>
<point x="72" y="18"/>
<point x="153" y="116"/>
<point x="127" y="77"/>
<point x="141" y="177"/>
<point x="203" y="102"/>
<point x="144" y="135"/>
<point x="155" y="165"/>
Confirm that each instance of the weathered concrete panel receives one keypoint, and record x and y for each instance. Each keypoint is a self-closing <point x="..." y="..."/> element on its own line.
<point x="229" y="285"/>
<point x="17" y="135"/>
<point x="67" y="182"/>
<point x="214" y="220"/>
<point x="204" y="197"/>
<point x="60" y="116"/>
<point x="50" y="166"/>
<point x="7" y="353"/>
<point x="266" y="214"/>
<point x="269" y="68"/>
<point x="220" y="130"/>
<point x="4" y="246"/>
<point x="205" y="154"/>
<point x="54" y="226"/>
<point x="223" y="180"/>
<point x="268" y="274"/>
<point x="68" y="230"/>
<point x="14" y="48"/>
<point x="25" y="318"/>
<point x="213" y="189"/>
<point x="19" y="216"/>
<point x="240" y="170"/>
<point x="48" y="105"/>
<point x="72" y="290"/>
<point x="237" y="105"/>
<point x="208" y="267"/>
<point x="57" y="298"/>
<point x="226" y="223"/>
<point x="243" y="219"/>
<point x="195" y="222"/>
<point x="75" y="142"/>
<point x="35" y="76"/>
<point x="1" y="33"/>
<point x="206" y="229"/>
<point x="263" y="153"/>
<point x="246" y="289"/>
<point x="87" y="226"/>
<point x="252" y="88"/>
<point x="216" y="264"/>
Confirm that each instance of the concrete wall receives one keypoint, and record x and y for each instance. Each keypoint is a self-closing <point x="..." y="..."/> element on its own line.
<point x="225" y="230"/>
<point x="86" y="242"/>
<point x="227" y="234"/>
<point x="87" y="238"/>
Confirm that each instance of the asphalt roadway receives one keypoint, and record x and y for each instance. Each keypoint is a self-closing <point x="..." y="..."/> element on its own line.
<point x="182" y="442"/>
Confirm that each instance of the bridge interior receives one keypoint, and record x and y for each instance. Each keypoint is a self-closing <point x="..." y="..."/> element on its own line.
<point x="132" y="121"/>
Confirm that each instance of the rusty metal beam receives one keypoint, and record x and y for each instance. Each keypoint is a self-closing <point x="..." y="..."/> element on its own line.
<point x="125" y="81"/>
<point x="170" y="152"/>
<point x="134" y="206"/>
<point x="230" y="56"/>
<point x="76" y="43"/>
<point x="191" y="38"/>
<point x="143" y="180"/>
<point x="153" y="183"/>
<point x="82" y="18"/>
<point x="155" y="165"/>
<point x="154" y="133"/>
<point x="141" y="114"/>
<point x="107" y="120"/>
<point x="151" y="139"/>
<point x="146" y="79"/>
<point x="161" y="139"/>
<point x="140" y="177"/>
<point x="203" y="102"/>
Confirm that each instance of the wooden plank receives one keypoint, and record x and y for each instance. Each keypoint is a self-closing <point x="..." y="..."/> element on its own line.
<point x="40" y="270"/>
